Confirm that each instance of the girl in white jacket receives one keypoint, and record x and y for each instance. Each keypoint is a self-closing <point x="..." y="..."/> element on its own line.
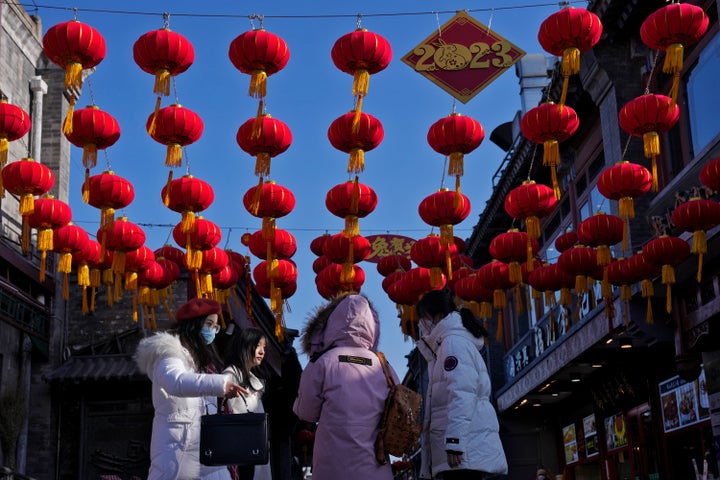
<point x="460" y="439"/>
<point x="183" y="389"/>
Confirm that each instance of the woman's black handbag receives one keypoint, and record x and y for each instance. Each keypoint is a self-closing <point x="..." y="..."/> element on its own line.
<point x="234" y="439"/>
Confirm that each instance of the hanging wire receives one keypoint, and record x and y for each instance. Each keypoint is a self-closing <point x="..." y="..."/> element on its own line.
<point x="532" y="161"/>
<point x="75" y="10"/>
<point x="90" y="91"/>
<point x="187" y="160"/>
<point x="492" y="13"/>
<point x="166" y="20"/>
<point x="227" y="240"/>
<point x="652" y="72"/>
<point x="437" y="20"/>
<point x="174" y="84"/>
<point x="359" y="21"/>
<point x="107" y="160"/>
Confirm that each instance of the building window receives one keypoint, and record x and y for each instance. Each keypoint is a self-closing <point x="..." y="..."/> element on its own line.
<point x="703" y="97"/>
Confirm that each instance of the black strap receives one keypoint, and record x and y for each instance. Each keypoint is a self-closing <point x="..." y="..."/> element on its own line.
<point x="386" y="369"/>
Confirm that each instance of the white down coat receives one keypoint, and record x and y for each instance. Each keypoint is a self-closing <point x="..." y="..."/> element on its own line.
<point x="180" y="396"/>
<point x="458" y="412"/>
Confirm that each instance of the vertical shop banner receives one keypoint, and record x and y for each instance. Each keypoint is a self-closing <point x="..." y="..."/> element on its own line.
<point x="570" y="443"/>
<point x="386" y="245"/>
<point x="684" y="403"/>
<point x="591" y="437"/>
<point x="616" y="431"/>
<point x="463" y="56"/>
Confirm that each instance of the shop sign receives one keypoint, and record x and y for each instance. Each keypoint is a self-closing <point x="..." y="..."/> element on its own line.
<point x="386" y="245"/>
<point x="684" y="403"/>
<point x="539" y="339"/>
<point x="570" y="443"/>
<point x="463" y="56"/>
<point x="615" y="432"/>
<point x="591" y="436"/>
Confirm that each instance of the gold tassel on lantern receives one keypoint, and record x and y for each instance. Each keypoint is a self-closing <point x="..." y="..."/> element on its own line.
<point x="68" y="122"/>
<point x="699" y="246"/>
<point x="162" y="82"/>
<point x="258" y="84"/>
<point x="268" y="228"/>
<point x="356" y="164"/>
<point x="255" y="200"/>
<point x="4" y="145"/>
<point x="352" y="226"/>
<point x="257" y="126"/>
<point x="436" y="277"/>
<point x="168" y="187"/>
<point x="532" y="225"/>
<point x="651" y="148"/>
<point x="647" y="292"/>
<point x="262" y="164"/>
<point x="73" y="75"/>
<point x="187" y="221"/>
<point x="25" y="241"/>
<point x="447" y="237"/>
<point x="668" y="278"/>
<point x="499" y="333"/>
<point x="173" y="155"/>
<point x="448" y="263"/>
<point x="89" y="157"/>
<point x="603" y="255"/>
<point x="347" y="275"/>
<point x="86" y="186"/>
<point x="153" y="122"/>
<point x="570" y="65"/>
<point x="499" y="299"/>
<point x="515" y="272"/>
<point x="626" y="207"/>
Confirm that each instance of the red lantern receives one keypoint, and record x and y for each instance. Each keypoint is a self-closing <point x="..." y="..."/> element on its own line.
<point x="514" y="247"/>
<point x="93" y="130"/>
<point x="550" y="124"/>
<point x="579" y="262"/>
<point x="392" y="263"/>
<point x="320" y="263"/>
<point x="671" y="28"/>
<point x="444" y="209"/>
<point x="48" y="214"/>
<point x="361" y="54"/>
<point x="279" y="286"/>
<point x="316" y="245"/>
<point x="74" y="47"/>
<point x="26" y="178"/>
<point x="368" y="135"/>
<point x="109" y="192"/>
<point x="566" y="241"/>
<point x="351" y="200"/>
<point x="667" y="252"/>
<point x="647" y="116"/>
<point x="269" y="201"/>
<point x="429" y="252"/>
<point x="530" y="202"/>
<point x="601" y="231"/>
<point x="282" y="246"/>
<point x="469" y="289"/>
<point x="418" y="281"/>
<point x="697" y="216"/>
<point x="84" y="260"/>
<point x="623" y="182"/>
<point x="346" y="251"/>
<point x="455" y="136"/>
<point x="639" y="268"/>
<point x="228" y="277"/>
<point x="120" y="237"/>
<point x="204" y="236"/>
<point x="710" y="174"/>
<point x="405" y="297"/>
<point x="264" y="138"/>
<point x="568" y="33"/>
<point x="174" y="126"/>
<point x="165" y="54"/>
<point x="171" y="270"/>
<point x="335" y="281"/>
<point x="392" y="278"/>
<point x="136" y="261"/>
<point x="213" y="261"/>
<point x="68" y="240"/>
<point x="495" y="276"/>
<point x="188" y="195"/>
<point x="14" y="124"/>
<point x="260" y="54"/>
<point x="170" y="253"/>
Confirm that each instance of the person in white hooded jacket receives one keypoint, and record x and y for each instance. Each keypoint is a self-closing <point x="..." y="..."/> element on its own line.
<point x="460" y="438"/>
<point x="183" y="366"/>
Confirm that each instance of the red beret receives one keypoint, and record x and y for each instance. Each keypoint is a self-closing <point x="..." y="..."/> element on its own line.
<point x="197" y="307"/>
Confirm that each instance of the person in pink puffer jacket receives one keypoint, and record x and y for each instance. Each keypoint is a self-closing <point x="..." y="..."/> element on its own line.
<point x="343" y="388"/>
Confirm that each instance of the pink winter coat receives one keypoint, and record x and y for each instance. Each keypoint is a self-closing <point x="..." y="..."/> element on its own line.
<point x="344" y="390"/>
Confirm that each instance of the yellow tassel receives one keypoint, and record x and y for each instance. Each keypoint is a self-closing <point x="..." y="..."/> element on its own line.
<point x="674" y="87"/>
<point x="279" y="326"/>
<point x="700" y="263"/>
<point x="27" y="204"/>
<point x="131" y="280"/>
<point x="651" y="144"/>
<point x="563" y="94"/>
<point x="551" y="153"/>
<point x="625" y="235"/>
<point x="89" y="158"/>
<point x="347" y="275"/>
<point x="447" y="237"/>
<point x="83" y="274"/>
<point x="272" y="268"/>
<point x="499" y="299"/>
<point x="85" y="307"/>
<point x="625" y="292"/>
<point x="65" y="287"/>
<point x="45" y="239"/>
<point x="95" y="278"/>
<point x="668" y="274"/>
<point x="565" y="296"/>
<point x="699" y="244"/>
<point x="668" y="301"/>
<point x="43" y="263"/>
<point x="515" y="272"/>
<point x="555" y="184"/>
<point x="268" y="228"/>
<point x="436" y="277"/>
<point x="361" y="82"/>
<point x="355" y="127"/>
<point x="352" y="226"/>
<point x="448" y="263"/>
<point x="570" y="61"/>
<point x="153" y="122"/>
<point x="532" y="225"/>
<point x="529" y="265"/>
<point x="93" y="292"/>
<point x="68" y="123"/>
<point x="262" y="164"/>
<point x="25" y="243"/>
<point x="118" y="263"/>
<point x="134" y="308"/>
<point x="647" y="288"/>
<point x="655" y="181"/>
<point x="4" y="145"/>
<point x="258" y="84"/>
<point x="536" y="294"/>
<point x="187" y="222"/>
<point x="195" y="260"/>
<point x="581" y="284"/>
<point x="65" y="263"/>
<point x="456" y="166"/>
<point x="649" y="313"/>
<point x="162" y="82"/>
<point x="207" y="284"/>
<point x="674" y="58"/>
<point x="357" y="161"/>
<point x="549" y="298"/>
<point x="257" y="126"/>
<point x="474" y="307"/>
<point x="73" y="75"/>
<point x="603" y="255"/>
<point x="457" y="197"/>
<point x="173" y="157"/>
<point x="499" y="333"/>
<point x="355" y="197"/>
<point x="606" y="289"/>
<point x="626" y="207"/>
<point x="168" y="189"/>
<point x="255" y="200"/>
<point x="485" y="310"/>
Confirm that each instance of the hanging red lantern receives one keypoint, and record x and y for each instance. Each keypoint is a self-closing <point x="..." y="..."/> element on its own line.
<point x="470" y="289"/>
<point x="228" y="277"/>
<point x="444" y="209"/>
<point x="601" y="231"/>
<point x="623" y="182"/>
<point x="671" y="28"/>
<point x="495" y="276"/>
<point x="204" y="236"/>
<point x="26" y="178"/>
<point x="283" y="278"/>
<point x="581" y="263"/>
<point x="109" y="192"/>
<point x="697" y="215"/>
<point x="188" y="196"/>
<point x="14" y="124"/>
<point x="264" y="138"/>
<point x="392" y="263"/>
<point x="171" y="270"/>
<point x="120" y="237"/>
<point x="351" y="200"/>
<point x="392" y="278"/>
<point x="283" y="245"/>
<point x="710" y="174"/>
<point x="74" y="47"/>
<point x="514" y="247"/>
<point x="68" y="240"/>
<point x="368" y="135"/>
<point x="170" y="253"/>
<point x="648" y="116"/>
<point x="151" y="281"/>
<point x="136" y="261"/>
<point x="174" y="126"/>
<point x="269" y="201"/>
<point x="455" y="136"/>
<point x="567" y="34"/>
<point x="639" y="268"/>
<point x="48" y="214"/>
<point x="530" y="202"/>
<point x="361" y="53"/>
<point x="418" y="281"/>
<point x="565" y="241"/>
<point x="320" y="263"/>
<point x="316" y="245"/>
<point x="259" y="54"/>
<point x="335" y="281"/>
<point x="83" y="261"/>
<point x="214" y="260"/>
<point x="667" y="252"/>
<point x="165" y="54"/>
<point x="405" y="297"/>
<point x="346" y="251"/>
<point x="93" y="130"/>
<point x="549" y="124"/>
<point x="429" y="252"/>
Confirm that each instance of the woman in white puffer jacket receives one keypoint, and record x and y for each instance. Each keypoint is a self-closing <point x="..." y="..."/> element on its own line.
<point x="460" y="439"/>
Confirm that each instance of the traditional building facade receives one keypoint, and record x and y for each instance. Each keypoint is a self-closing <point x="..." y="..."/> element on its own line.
<point x="596" y="389"/>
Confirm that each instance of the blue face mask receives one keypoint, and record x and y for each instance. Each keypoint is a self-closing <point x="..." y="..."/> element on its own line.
<point x="208" y="334"/>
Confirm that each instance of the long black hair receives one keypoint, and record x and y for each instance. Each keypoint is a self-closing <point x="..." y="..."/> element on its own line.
<point x="241" y="353"/>
<point x="206" y="356"/>
<point x="442" y="302"/>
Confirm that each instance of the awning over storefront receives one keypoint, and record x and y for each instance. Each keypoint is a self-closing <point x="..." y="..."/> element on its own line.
<point x="96" y="368"/>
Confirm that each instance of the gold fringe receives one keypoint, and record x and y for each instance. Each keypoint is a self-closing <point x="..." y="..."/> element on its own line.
<point x="626" y="207"/>
<point x="356" y="164"/>
<point x="152" y="128"/>
<point x="258" y="84"/>
<point x="456" y="166"/>
<point x="347" y="274"/>
<point x="27" y="204"/>
<point x="65" y="263"/>
<point x="255" y="200"/>
<point x="361" y="82"/>
<point x="515" y="272"/>
<point x="68" y="122"/>
<point x="73" y="75"/>
<point x="89" y="157"/>
<point x="162" y="82"/>
<point x="551" y="153"/>
<point x="570" y="61"/>
<point x="187" y="222"/>
<point x="668" y="301"/>
<point x="668" y="274"/>
<point x="83" y="275"/>
<point x="499" y="299"/>
<point x="268" y="228"/>
<point x="563" y="94"/>
<point x="555" y="184"/>
<point x="4" y="145"/>
<point x="532" y="225"/>
<point x="674" y="58"/>
<point x="355" y="126"/>
<point x="85" y="307"/>
<point x="436" y="277"/>
<point x="604" y="257"/>
<point x="651" y="144"/>
<point x="352" y="226"/>
<point x="649" y="313"/>
<point x="25" y="243"/>
<point x="173" y="156"/>
<point x="168" y="189"/>
<point x="655" y="181"/>
<point x="262" y="164"/>
<point x="499" y="333"/>
<point x="257" y="126"/>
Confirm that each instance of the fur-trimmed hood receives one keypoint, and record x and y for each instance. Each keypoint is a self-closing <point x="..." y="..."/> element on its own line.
<point x="161" y="345"/>
<point x="317" y="337"/>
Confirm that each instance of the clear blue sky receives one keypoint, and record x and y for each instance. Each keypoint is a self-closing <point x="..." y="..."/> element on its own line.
<point x="307" y="95"/>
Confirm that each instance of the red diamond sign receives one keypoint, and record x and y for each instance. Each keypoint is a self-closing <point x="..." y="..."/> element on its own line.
<point x="463" y="57"/>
